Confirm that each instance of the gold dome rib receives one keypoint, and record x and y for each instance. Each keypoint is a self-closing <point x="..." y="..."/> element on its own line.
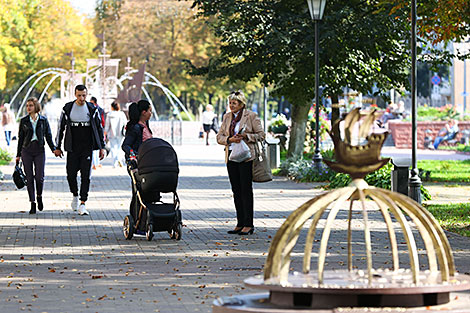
<point x="439" y="240"/>
<point x="366" y="234"/>
<point x="350" y="261"/>
<point x="309" y="241"/>
<point x="376" y="195"/>
<point x="304" y="212"/>
<point x="435" y="225"/>
<point x="326" y="231"/>
<point x="424" y="232"/>
<point x="391" y="232"/>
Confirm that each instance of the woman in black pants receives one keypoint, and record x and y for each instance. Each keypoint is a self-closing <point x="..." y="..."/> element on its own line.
<point x="237" y="125"/>
<point x="34" y="130"/>
<point x="137" y="131"/>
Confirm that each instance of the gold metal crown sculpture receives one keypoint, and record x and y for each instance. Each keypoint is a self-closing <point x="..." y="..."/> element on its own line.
<point x="390" y="287"/>
<point x="357" y="160"/>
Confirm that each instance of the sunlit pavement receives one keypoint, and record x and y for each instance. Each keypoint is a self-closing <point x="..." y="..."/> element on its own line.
<point x="57" y="261"/>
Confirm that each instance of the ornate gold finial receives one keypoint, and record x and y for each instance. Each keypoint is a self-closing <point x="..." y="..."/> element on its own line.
<point x="361" y="159"/>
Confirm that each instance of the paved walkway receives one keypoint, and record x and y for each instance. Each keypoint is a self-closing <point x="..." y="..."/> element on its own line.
<point x="57" y="261"/>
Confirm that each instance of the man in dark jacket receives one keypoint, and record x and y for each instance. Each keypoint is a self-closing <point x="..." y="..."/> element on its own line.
<point x="81" y="122"/>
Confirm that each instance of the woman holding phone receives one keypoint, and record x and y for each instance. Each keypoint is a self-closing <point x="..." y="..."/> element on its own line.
<point x="237" y="125"/>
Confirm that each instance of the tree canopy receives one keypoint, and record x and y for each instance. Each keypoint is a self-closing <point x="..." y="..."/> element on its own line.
<point x="275" y="40"/>
<point x="162" y="34"/>
<point x="35" y="34"/>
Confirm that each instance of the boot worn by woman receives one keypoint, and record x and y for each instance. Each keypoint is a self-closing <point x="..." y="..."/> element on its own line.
<point x="33" y="208"/>
<point x="40" y="204"/>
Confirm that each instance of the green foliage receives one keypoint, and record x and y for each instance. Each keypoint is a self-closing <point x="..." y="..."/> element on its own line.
<point x="443" y="113"/>
<point x="453" y="217"/>
<point x="5" y="157"/>
<point x="446" y="170"/>
<point x="380" y="179"/>
<point x="275" y="40"/>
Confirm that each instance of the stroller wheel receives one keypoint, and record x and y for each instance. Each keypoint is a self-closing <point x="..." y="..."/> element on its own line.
<point x="177" y="233"/>
<point x="128" y="227"/>
<point x="149" y="233"/>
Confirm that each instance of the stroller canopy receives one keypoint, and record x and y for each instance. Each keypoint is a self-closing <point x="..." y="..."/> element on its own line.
<point x="156" y="155"/>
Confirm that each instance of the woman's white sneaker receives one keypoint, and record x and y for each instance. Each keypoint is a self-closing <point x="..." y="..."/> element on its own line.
<point x="82" y="210"/>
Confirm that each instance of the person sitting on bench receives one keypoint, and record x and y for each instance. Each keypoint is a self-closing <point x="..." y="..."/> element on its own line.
<point x="447" y="133"/>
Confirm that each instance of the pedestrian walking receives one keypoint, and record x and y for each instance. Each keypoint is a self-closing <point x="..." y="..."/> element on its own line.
<point x="114" y="132"/>
<point x="137" y="131"/>
<point x="209" y="121"/>
<point x="241" y="124"/>
<point x="95" y="158"/>
<point x="81" y="123"/>
<point x="8" y="123"/>
<point x="33" y="132"/>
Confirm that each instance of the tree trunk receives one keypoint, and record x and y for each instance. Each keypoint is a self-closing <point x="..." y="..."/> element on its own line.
<point x="334" y="109"/>
<point x="297" y="132"/>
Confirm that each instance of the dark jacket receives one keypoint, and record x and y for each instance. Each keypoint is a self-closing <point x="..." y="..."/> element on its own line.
<point x="133" y="139"/>
<point x="64" y="124"/>
<point x="25" y="133"/>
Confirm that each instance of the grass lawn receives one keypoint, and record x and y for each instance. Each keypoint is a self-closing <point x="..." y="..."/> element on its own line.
<point x="447" y="171"/>
<point x="452" y="217"/>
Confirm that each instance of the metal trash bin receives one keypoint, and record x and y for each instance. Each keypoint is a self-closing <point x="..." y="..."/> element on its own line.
<point x="273" y="153"/>
<point x="401" y="175"/>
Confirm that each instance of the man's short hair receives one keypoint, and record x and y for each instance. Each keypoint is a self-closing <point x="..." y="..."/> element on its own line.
<point x="94" y="100"/>
<point x="80" y="87"/>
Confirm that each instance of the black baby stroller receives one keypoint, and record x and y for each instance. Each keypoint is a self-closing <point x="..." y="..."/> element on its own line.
<point x="157" y="172"/>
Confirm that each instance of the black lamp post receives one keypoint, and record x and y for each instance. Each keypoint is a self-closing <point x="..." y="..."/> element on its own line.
<point x="316" y="8"/>
<point x="414" y="184"/>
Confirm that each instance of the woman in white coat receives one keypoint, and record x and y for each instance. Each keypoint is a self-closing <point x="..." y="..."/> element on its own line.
<point x="114" y="131"/>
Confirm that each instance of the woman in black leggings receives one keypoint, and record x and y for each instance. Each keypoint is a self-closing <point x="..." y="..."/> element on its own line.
<point x="33" y="132"/>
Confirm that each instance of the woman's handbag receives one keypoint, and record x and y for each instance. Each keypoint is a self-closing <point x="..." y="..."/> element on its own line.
<point x="240" y="152"/>
<point x="19" y="178"/>
<point x="261" y="169"/>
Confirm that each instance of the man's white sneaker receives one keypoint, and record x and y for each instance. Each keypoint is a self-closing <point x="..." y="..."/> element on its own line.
<point x="74" y="203"/>
<point x="82" y="210"/>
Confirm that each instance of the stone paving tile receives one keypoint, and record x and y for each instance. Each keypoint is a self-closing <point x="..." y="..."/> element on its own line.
<point x="57" y="261"/>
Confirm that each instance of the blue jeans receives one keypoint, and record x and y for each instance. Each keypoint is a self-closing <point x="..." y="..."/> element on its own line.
<point x="440" y="139"/>
<point x="8" y="136"/>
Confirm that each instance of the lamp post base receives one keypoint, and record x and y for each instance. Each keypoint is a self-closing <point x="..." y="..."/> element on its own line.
<point x="414" y="184"/>
<point x="318" y="161"/>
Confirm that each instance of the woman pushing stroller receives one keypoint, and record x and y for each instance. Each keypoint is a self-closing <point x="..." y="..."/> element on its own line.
<point x="153" y="168"/>
<point x="137" y="131"/>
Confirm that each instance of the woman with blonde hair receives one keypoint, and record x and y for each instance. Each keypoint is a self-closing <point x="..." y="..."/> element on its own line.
<point x="34" y="131"/>
<point x="239" y="125"/>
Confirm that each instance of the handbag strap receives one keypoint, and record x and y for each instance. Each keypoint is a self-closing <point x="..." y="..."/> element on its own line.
<point x="259" y="153"/>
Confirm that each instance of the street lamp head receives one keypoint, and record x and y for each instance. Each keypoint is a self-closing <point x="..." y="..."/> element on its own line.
<point x="316" y="8"/>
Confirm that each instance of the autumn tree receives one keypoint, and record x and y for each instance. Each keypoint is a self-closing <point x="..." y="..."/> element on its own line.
<point x="36" y="34"/>
<point x="162" y="34"/>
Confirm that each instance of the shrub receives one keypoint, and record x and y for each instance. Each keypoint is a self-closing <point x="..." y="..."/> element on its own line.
<point x="279" y="125"/>
<point x="380" y="179"/>
<point x="305" y="170"/>
<point x="5" y="157"/>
